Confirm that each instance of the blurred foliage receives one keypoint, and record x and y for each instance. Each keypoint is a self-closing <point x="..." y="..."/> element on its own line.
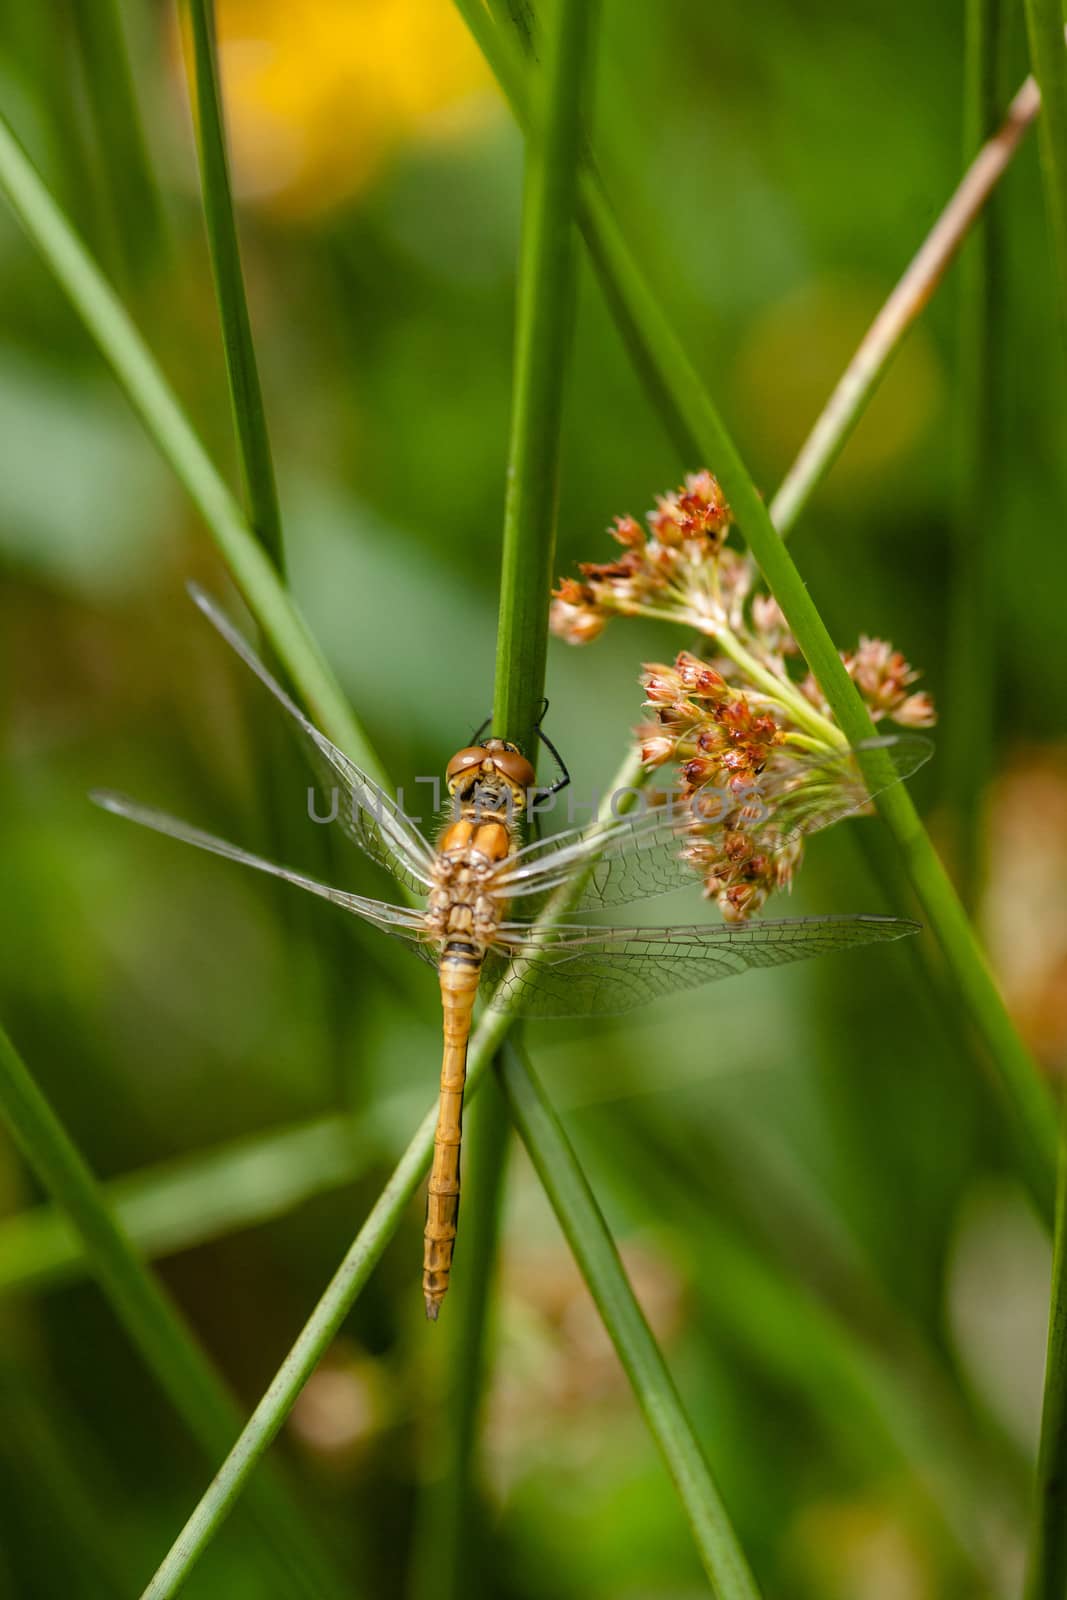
<point x="805" y="1169"/>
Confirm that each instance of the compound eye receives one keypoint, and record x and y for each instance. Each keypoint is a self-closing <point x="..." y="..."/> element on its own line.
<point x="464" y="761"/>
<point x="513" y="765"/>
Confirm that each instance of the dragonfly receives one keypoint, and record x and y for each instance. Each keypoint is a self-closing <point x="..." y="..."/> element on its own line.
<point x="487" y="905"/>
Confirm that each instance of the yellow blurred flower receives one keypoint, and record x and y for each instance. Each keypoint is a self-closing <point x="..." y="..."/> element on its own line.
<point x="319" y="92"/>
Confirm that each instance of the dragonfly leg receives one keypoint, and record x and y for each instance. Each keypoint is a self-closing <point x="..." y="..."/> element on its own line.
<point x="564" y="776"/>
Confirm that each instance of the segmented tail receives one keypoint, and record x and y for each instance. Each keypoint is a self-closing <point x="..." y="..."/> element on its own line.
<point x="459" y="972"/>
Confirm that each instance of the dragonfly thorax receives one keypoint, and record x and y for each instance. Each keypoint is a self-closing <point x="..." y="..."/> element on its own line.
<point x="464" y="899"/>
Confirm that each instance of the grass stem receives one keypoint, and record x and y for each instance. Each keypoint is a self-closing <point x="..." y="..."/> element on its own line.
<point x="594" y="1249"/>
<point x="544" y="318"/>
<point x="973" y="632"/>
<point x="134" y="195"/>
<point x="246" y="396"/>
<point x="1048" y="57"/>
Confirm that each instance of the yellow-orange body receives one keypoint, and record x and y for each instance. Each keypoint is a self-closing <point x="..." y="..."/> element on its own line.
<point x="465" y="910"/>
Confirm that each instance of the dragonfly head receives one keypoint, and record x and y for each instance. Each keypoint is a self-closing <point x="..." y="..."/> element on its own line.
<point x="496" y="764"/>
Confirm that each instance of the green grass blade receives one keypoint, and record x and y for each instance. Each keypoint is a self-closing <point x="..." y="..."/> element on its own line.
<point x="594" y="1250"/>
<point x="502" y="52"/>
<point x="246" y="397"/>
<point x="1046" y="1574"/>
<point x="153" y="400"/>
<point x="973" y="633"/>
<point x="516" y="14"/>
<point x="505" y="51"/>
<point x="135" y="203"/>
<point x="543" y="326"/>
<point x="1048" y="57"/>
<point x="153" y="1324"/>
<point x="178" y="1204"/>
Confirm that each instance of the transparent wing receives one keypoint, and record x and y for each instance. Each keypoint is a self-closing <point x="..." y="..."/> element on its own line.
<point x="575" y="971"/>
<point x="639" y="856"/>
<point x="400" y="921"/>
<point x="365" y="813"/>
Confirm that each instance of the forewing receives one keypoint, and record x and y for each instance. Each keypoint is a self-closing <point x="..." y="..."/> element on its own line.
<point x="364" y="812"/>
<point x="576" y="971"/>
<point x="400" y="921"/>
<point x="638" y="856"/>
<point x="814" y="794"/>
<point x="633" y="858"/>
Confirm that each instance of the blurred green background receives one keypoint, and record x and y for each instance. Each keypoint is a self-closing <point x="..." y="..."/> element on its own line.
<point x="808" y="1177"/>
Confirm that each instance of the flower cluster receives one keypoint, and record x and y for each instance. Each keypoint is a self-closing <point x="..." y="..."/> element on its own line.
<point x="882" y="677"/>
<point x="731" y="753"/>
<point x="761" y="762"/>
<point x="659" y="571"/>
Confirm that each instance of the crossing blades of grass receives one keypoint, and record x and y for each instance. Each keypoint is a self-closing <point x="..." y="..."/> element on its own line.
<point x="178" y="1204"/>
<point x="156" y="1328"/>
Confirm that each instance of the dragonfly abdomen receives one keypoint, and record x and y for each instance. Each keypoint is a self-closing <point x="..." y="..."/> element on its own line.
<point x="465" y="912"/>
<point x="460" y="970"/>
